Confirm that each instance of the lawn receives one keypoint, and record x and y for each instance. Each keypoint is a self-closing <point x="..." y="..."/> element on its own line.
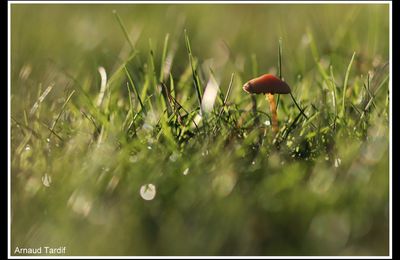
<point x="131" y="133"/>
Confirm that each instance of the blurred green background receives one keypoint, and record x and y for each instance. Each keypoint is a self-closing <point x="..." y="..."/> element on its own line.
<point x="78" y="175"/>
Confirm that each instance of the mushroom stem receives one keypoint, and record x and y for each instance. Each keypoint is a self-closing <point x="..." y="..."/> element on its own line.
<point x="272" y="108"/>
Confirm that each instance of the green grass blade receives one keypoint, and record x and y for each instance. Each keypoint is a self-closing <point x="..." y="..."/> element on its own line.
<point x="121" y="24"/>
<point x="279" y="69"/>
<point x="62" y="110"/>
<point x="254" y="66"/>
<point x="172" y="86"/>
<point x="346" y="78"/>
<point x="334" y="93"/>
<point x="315" y="54"/>
<point x="36" y="106"/>
<point x="164" y="54"/>
<point x="301" y="110"/>
<point x="130" y="100"/>
<point x="195" y="76"/>
<point x="280" y="59"/>
<point x="134" y="89"/>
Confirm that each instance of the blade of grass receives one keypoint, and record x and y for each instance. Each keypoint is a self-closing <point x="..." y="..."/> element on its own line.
<point x="130" y="100"/>
<point x="373" y="97"/>
<point x="195" y="76"/>
<point x="315" y="54"/>
<point x="79" y="87"/>
<point x="166" y="131"/>
<point x="366" y="87"/>
<point x="121" y="24"/>
<point x="279" y="69"/>
<point x="40" y="99"/>
<point x="333" y="85"/>
<point x="172" y="85"/>
<point x="164" y="53"/>
<point x="301" y="110"/>
<point x="59" y="114"/>
<point x="134" y="89"/>
<point x="120" y="69"/>
<point x="346" y="78"/>
<point x="228" y="92"/>
<point x="291" y="127"/>
<point x="91" y="119"/>
<point x="254" y="66"/>
<point x="52" y="132"/>
<point x="152" y="72"/>
<point x="26" y="127"/>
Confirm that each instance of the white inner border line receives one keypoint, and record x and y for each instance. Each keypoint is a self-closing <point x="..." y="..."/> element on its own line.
<point x="200" y="2"/>
<point x="195" y="2"/>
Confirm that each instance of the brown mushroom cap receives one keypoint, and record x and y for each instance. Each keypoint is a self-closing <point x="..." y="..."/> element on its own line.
<point x="266" y="83"/>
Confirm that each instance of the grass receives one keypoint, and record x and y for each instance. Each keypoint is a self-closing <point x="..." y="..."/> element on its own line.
<point x="107" y="99"/>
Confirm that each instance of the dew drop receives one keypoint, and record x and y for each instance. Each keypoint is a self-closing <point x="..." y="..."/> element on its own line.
<point x="148" y="191"/>
<point x="337" y="162"/>
<point x="46" y="180"/>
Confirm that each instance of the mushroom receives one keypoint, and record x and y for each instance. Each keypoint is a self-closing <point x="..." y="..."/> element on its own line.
<point x="269" y="85"/>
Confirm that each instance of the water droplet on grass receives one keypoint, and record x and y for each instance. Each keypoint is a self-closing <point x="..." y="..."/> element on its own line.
<point x="337" y="162"/>
<point x="148" y="191"/>
<point x="46" y="180"/>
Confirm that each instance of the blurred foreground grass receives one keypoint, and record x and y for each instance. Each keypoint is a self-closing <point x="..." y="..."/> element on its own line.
<point x="83" y="151"/>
